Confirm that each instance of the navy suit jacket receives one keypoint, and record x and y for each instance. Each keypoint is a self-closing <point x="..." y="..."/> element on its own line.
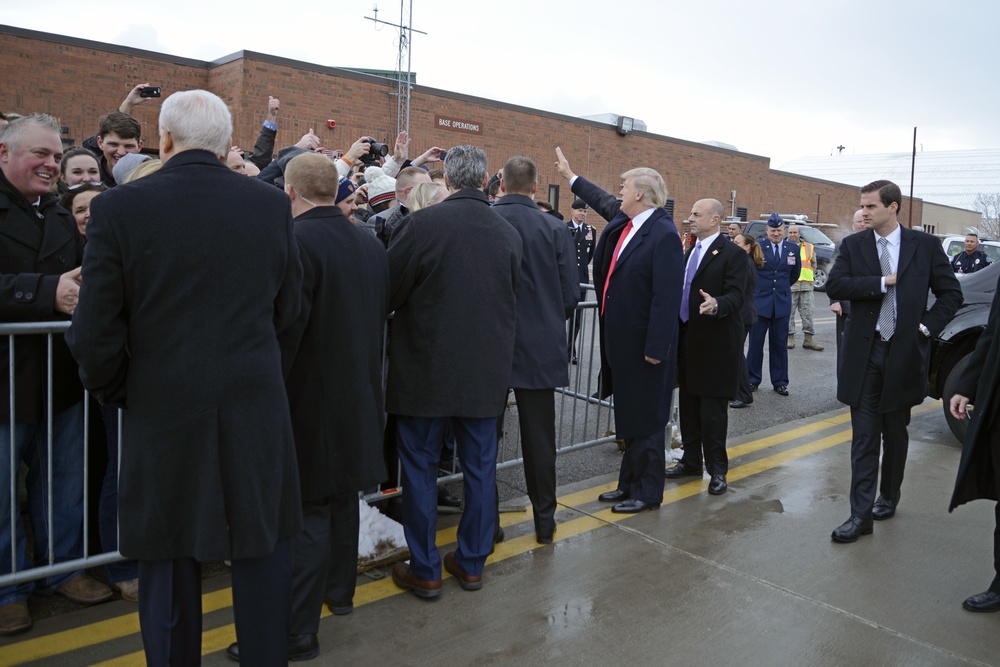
<point x="773" y="295"/>
<point x="640" y="317"/>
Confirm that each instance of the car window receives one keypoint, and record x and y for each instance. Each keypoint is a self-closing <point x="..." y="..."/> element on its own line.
<point x="814" y="236"/>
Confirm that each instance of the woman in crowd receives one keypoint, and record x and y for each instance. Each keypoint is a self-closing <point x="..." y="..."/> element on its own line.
<point x="77" y="201"/>
<point x="424" y="195"/>
<point x="744" y="395"/>
<point x="78" y="166"/>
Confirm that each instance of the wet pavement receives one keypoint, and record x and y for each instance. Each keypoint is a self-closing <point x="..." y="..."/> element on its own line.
<point x="748" y="578"/>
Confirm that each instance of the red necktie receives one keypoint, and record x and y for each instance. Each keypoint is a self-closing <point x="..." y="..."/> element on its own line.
<point x="614" y="261"/>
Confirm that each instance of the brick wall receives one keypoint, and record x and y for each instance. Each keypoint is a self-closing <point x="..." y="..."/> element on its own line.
<point x="77" y="81"/>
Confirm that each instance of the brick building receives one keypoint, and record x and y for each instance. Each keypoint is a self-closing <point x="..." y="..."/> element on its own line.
<point x="79" y="80"/>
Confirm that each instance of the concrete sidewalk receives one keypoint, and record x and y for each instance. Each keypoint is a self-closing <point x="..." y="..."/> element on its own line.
<point x="748" y="578"/>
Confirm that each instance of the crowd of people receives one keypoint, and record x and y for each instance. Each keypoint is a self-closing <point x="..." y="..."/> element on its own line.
<point x="253" y="408"/>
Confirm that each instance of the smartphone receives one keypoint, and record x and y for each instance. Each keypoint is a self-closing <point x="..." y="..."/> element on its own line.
<point x="150" y="91"/>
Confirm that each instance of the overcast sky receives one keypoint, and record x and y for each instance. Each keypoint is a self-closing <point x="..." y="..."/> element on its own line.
<point x="781" y="78"/>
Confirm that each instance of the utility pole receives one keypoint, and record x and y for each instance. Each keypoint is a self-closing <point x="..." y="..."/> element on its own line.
<point x="403" y="61"/>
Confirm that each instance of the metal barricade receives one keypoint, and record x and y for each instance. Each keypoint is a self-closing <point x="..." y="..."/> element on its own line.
<point x="49" y="330"/>
<point x="582" y="421"/>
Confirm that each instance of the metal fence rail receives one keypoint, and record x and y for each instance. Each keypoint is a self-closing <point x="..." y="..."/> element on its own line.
<point x="582" y="421"/>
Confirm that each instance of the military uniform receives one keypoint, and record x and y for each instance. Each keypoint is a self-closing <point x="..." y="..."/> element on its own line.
<point x="584" y="238"/>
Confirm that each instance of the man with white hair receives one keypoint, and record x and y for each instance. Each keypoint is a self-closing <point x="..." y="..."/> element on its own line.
<point x="638" y="275"/>
<point x="183" y="296"/>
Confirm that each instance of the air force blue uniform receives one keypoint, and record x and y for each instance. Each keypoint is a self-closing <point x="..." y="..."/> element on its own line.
<point x="773" y="299"/>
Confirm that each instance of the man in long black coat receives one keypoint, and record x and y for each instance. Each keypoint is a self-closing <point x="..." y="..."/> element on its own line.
<point x="638" y="273"/>
<point x="979" y="468"/>
<point x="885" y="273"/>
<point x="709" y="354"/>
<point x="454" y="268"/>
<point x="188" y="277"/>
<point x="548" y="288"/>
<point x="333" y="372"/>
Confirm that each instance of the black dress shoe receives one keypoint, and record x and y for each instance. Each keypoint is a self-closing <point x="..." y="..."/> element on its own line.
<point x="339" y="608"/>
<point x="739" y="404"/>
<point x="633" y="506"/>
<point x="574" y="360"/>
<point x="884" y="508"/>
<point x="445" y="499"/>
<point x="983" y="602"/>
<point x="753" y="386"/>
<point x="852" y="529"/>
<point x="300" y="647"/>
<point x="782" y="389"/>
<point x="615" y="496"/>
<point x="718" y="485"/>
<point x="682" y="470"/>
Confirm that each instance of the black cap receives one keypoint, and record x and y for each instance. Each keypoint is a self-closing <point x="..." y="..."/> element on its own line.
<point x="579" y="203"/>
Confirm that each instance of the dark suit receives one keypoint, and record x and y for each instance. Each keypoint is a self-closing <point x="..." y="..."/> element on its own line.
<point x="979" y="469"/>
<point x="639" y="320"/>
<point x="709" y="353"/>
<point x="583" y="244"/>
<point x="453" y="272"/>
<point x="773" y="300"/>
<point x="881" y="381"/>
<point x="548" y="288"/>
<point x="189" y="275"/>
<point x="332" y="356"/>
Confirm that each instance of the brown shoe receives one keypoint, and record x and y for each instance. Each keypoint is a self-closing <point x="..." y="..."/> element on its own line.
<point x="404" y="578"/>
<point x="465" y="580"/>
<point x="84" y="589"/>
<point x="129" y="589"/>
<point x="15" y="618"/>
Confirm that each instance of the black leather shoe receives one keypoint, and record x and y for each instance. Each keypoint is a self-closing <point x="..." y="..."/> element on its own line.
<point x="718" y="485"/>
<point x="339" y="608"/>
<point x="300" y="647"/>
<point x="682" y="470"/>
<point x="634" y="506"/>
<point x="852" y="529"/>
<point x="884" y="508"/>
<point x="753" y="386"/>
<point x="983" y="602"/>
<point x="739" y="404"/>
<point x="782" y="389"/>
<point x="445" y="499"/>
<point x="615" y="496"/>
<point x="574" y="360"/>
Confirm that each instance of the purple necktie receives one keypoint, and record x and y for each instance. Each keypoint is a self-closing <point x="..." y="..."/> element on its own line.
<point x="688" y="277"/>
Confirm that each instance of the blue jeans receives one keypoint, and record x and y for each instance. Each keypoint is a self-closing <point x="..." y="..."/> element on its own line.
<point x="108" y="507"/>
<point x="31" y="447"/>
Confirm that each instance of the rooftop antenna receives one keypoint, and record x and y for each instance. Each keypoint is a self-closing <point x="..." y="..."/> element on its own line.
<point x="403" y="85"/>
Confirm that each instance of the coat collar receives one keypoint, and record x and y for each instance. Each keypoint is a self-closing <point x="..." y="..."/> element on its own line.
<point x="469" y="193"/>
<point x="515" y="199"/>
<point x="194" y="156"/>
<point x="323" y="212"/>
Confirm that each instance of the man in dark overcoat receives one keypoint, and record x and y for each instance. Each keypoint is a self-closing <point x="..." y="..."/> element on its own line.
<point x="979" y="468"/>
<point x="333" y="372"/>
<point x="584" y="240"/>
<point x="709" y="353"/>
<point x="773" y="300"/>
<point x="638" y="273"/>
<point x="40" y="255"/>
<point x="548" y="288"/>
<point x="188" y="277"/>
<point x="454" y="268"/>
<point x="885" y="273"/>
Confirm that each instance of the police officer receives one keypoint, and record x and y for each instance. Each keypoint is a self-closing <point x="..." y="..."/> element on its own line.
<point x="972" y="259"/>
<point x="583" y="240"/>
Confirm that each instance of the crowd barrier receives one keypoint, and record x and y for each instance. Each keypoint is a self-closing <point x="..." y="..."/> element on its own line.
<point x="582" y="421"/>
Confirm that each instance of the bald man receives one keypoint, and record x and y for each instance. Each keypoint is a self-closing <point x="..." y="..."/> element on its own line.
<point x="711" y="336"/>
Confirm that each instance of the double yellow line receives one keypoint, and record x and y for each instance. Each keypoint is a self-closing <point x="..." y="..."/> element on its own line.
<point x="217" y="639"/>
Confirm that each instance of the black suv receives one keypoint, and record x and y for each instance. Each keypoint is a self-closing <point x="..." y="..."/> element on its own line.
<point x="825" y="248"/>
<point x="951" y="350"/>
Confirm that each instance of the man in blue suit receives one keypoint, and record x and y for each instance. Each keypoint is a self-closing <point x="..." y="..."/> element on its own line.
<point x="638" y="275"/>
<point x="773" y="298"/>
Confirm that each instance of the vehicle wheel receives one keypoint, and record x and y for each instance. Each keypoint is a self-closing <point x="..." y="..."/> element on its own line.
<point x="819" y="278"/>
<point x="958" y="427"/>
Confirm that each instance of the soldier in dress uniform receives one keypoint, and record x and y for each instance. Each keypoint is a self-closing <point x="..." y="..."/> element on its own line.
<point x="584" y="238"/>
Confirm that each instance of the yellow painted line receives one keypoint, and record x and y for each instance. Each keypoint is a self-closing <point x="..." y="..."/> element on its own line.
<point x="218" y="639"/>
